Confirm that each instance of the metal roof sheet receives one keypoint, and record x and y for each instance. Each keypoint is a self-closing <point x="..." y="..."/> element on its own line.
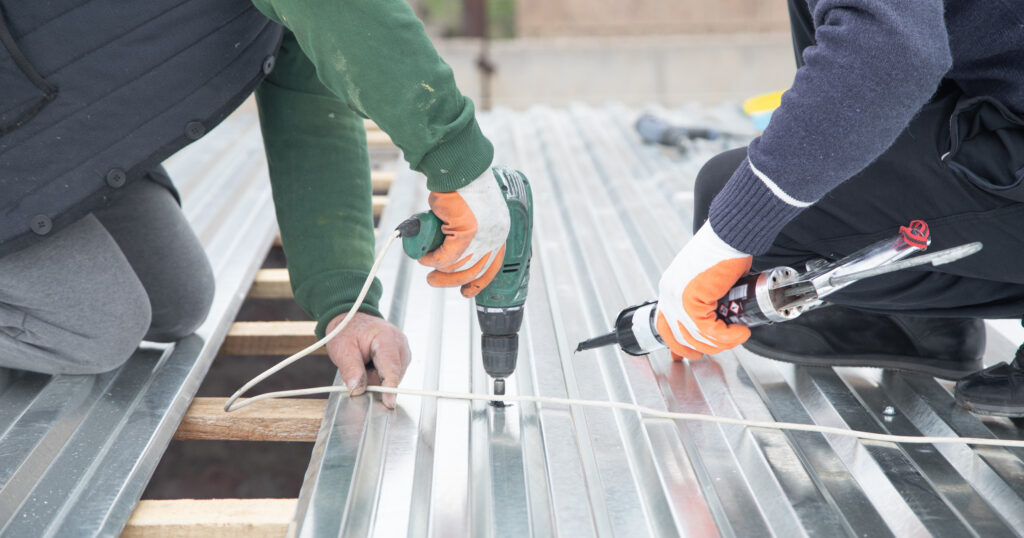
<point x="610" y="213"/>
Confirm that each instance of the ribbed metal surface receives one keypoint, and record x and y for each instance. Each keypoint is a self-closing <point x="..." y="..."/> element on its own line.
<point x="610" y="213"/>
<point x="76" y="452"/>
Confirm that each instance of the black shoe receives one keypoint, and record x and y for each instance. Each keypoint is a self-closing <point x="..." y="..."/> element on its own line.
<point x="949" y="348"/>
<point x="996" y="390"/>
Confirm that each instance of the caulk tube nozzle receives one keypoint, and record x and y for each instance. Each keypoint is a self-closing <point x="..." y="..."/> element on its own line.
<point x="598" y="341"/>
<point x="634" y="332"/>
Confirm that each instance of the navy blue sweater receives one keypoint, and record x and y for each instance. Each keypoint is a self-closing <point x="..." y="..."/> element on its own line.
<point x="874" y="65"/>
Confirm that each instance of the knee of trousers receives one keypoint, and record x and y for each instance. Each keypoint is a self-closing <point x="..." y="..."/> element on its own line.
<point x="181" y="314"/>
<point x="711" y="180"/>
<point x="101" y="343"/>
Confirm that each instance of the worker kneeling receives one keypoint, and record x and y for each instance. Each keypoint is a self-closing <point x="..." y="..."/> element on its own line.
<point x="861" y="145"/>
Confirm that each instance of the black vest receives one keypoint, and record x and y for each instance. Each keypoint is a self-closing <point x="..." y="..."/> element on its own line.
<point x="95" y="93"/>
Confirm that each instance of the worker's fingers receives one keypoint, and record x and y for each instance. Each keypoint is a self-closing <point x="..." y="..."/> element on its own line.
<point x="679" y="350"/>
<point x="347" y="352"/>
<point x="459" y="226"/>
<point x="473" y="288"/>
<point x="347" y="356"/>
<point x="391" y="356"/>
<point x="449" y="279"/>
<point x="700" y="302"/>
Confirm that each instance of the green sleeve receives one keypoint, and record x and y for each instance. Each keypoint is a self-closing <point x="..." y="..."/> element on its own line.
<point x="320" y="175"/>
<point x="376" y="56"/>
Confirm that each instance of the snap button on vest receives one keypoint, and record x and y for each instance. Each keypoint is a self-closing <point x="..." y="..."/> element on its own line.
<point x="194" y="130"/>
<point x="116" y="178"/>
<point x="41" y="224"/>
<point x="268" y="64"/>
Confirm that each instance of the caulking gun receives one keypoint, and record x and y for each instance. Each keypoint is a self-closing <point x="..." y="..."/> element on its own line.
<point x="783" y="293"/>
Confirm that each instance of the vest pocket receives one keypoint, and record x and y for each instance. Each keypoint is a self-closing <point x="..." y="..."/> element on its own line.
<point x="25" y="92"/>
<point x="987" y="146"/>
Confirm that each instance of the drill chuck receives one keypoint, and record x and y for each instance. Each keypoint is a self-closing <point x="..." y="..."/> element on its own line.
<point x="499" y="339"/>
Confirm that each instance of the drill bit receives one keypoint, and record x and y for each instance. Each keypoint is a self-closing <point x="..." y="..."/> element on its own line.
<point x="499" y="390"/>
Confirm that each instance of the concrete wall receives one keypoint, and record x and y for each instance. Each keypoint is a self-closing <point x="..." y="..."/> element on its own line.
<point x="647" y="17"/>
<point x="670" y="70"/>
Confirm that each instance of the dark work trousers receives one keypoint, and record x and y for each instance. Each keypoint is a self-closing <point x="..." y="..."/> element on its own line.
<point x="975" y="194"/>
<point x="80" y="301"/>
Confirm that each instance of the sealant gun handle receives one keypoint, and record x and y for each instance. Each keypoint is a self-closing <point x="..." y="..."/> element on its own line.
<point x="741" y="299"/>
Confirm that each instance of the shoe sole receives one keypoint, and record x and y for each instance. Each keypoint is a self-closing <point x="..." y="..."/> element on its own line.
<point x="913" y="365"/>
<point x="995" y="410"/>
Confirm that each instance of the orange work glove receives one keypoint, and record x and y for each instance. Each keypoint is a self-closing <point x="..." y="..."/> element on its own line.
<point x="700" y="275"/>
<point x="475" y="222"/>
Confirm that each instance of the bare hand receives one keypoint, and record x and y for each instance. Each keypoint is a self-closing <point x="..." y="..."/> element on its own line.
<point x="369" y="339"/>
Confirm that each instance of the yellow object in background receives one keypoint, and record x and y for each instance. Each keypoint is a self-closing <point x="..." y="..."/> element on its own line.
<point x="763" y="103"/>
<point x="760" y="108"/>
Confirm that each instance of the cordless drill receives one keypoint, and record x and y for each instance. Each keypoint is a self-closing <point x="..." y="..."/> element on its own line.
<point x="499" y="306"/>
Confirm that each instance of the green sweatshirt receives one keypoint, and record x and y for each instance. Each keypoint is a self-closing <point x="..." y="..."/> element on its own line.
<point x="340" y="62"/>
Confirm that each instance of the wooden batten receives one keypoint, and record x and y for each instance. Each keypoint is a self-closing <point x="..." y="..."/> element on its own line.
<point x="211" y="518"/>
<point x="283" y="419"/>
<point x="269" y="338"/>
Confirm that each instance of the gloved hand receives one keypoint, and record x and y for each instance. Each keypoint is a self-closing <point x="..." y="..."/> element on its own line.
<point x="688" y="293"/>
<point x="475" y="224"/>
<point x="367" y="339"/>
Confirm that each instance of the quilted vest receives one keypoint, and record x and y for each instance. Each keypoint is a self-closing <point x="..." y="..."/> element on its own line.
<point x="95" y="93"/>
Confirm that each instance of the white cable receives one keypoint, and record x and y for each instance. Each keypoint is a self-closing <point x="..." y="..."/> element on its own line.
<point x="651" y="412"/>
<point x="648" y="411"/>
<point x="229" y="405"/>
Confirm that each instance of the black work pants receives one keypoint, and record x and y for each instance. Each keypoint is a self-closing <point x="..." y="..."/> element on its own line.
<point x="976" y="193"/>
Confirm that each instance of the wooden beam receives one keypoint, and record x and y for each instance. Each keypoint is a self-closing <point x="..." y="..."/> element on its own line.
<point x="269" y="338"/>
<point x="378" y="205"/>
<point x="382" y="180"/>
<point x="285" y="419"/>
<point x="271" y="284"/>
<point x="378" y="139"/>
<point x="211" y="518"/>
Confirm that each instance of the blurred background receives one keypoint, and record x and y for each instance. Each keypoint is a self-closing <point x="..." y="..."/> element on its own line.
<point x="516" y="53"/>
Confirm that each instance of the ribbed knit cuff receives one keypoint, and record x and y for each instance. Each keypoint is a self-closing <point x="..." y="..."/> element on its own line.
<point x="457" y="160"/>
<point x="747" y="215"/>
<point x="328" y="294"/>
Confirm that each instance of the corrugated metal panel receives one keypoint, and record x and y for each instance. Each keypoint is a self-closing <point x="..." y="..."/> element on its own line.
<point x="610" y="213"/>
<point x="76" y="452"/>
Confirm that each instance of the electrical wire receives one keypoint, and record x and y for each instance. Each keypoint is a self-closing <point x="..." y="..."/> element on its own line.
<point x="229" y="405"/>
<point x="233" y="404"/>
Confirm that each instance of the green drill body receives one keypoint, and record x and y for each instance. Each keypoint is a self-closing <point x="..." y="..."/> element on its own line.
<point x="499" y="306"/>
